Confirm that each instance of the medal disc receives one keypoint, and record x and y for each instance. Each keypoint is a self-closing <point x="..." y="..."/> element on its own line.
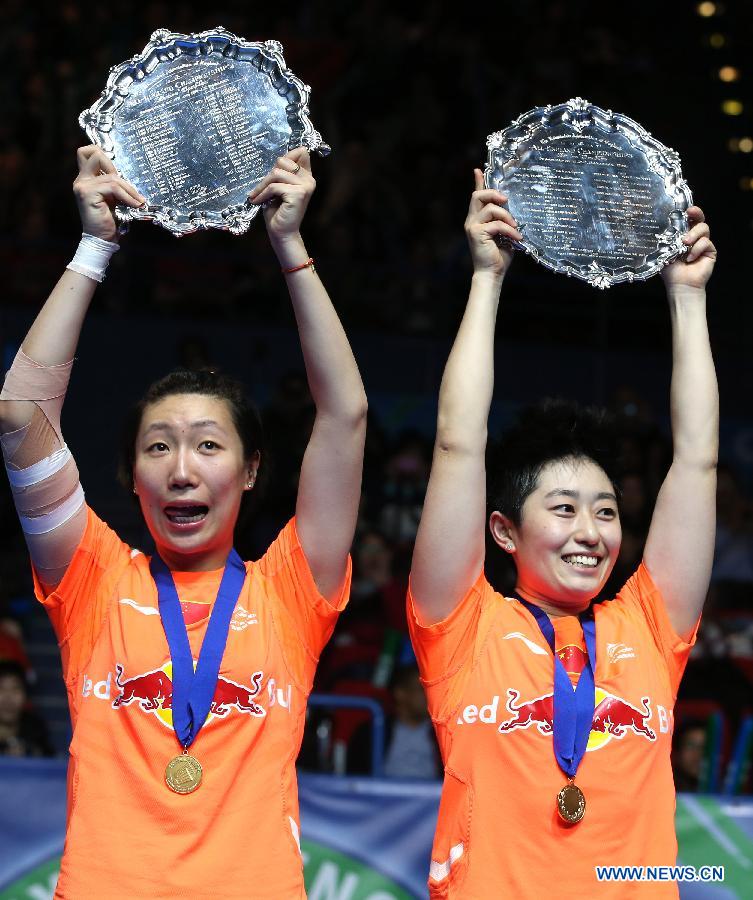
<point x="183" y="774"/>
<point x="571" y="804"/>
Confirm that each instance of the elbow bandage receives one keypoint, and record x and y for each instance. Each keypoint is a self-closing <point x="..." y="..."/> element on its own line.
<point x="44" y="386"/>
<point x="47" y="493"/>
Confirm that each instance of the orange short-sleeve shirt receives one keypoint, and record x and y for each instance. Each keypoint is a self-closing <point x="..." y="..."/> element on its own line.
<point x="488" y="674"/>
<point x="236" y="836"/>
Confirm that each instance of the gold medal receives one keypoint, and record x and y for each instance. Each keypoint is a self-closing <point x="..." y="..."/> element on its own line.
<point x="571" y="804"/>
<point x="183" y="774"/>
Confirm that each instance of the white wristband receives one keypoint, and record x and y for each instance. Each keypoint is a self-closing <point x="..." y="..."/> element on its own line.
<point x="92" y="256"/>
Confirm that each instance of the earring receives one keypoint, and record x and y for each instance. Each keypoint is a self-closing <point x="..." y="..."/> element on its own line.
<point x="508" y="545"/>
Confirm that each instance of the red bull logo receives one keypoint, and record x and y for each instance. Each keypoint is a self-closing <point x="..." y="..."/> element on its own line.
<point x="539" y="711"/>
<point x="153" y="692"/>
<point x="228" y="693"/>
<point x="613" y="717"/>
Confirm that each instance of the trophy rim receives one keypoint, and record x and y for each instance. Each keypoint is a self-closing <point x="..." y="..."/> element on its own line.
<point x="660" y="160"/>
<point x="98" y="119"/>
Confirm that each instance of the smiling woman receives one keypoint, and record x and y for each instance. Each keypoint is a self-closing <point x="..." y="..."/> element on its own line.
<point x="553" y="504"/>
<point x="198" y="645"/>
<point x="572" y="749"/>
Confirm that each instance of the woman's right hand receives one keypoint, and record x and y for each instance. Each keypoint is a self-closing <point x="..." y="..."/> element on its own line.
<point x="487" y="221"/>
<point x="97" y="189"/>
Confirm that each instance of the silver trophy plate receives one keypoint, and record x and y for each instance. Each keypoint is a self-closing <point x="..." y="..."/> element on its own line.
<point x="195" y="121"/>
<point x="594" y="194"/>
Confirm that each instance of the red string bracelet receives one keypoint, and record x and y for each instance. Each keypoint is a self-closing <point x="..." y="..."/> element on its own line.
<point x="308" y="264"/>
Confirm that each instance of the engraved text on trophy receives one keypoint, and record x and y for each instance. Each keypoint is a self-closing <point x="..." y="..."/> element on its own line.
<point x="587" y="195"/>
<point x="194" y="139"/>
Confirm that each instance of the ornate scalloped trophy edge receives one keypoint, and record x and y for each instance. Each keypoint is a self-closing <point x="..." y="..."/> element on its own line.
<point x="663" y="161"/>
<point x="97" y="121"/>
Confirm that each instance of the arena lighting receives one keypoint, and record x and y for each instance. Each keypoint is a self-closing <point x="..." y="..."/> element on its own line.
<point x="729" y="73"/>
<point x="732" y="107"/>
<point x="706" y="9"/>
<point x="733" y="145"/>
<point x="717" y="40"/>
<point x="746" y="183"/>
<point x="745" y="145"/>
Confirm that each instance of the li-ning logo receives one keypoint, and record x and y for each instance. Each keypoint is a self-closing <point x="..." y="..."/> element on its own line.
<point x="242" y="618"/>
<point x="153" y="692"/>
<point x="616" y="652"/>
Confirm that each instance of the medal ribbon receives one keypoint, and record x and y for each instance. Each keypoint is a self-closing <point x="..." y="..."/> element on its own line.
<point x="573" y="709"/>
<point x="193" y="691"/>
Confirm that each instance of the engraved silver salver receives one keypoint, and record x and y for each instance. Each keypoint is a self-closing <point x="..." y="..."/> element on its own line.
<point x="195" y="121"/>
<point x="595" y="196"/>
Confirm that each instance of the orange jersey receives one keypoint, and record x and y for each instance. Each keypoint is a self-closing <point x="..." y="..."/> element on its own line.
<point x="236" y="836"/>
<point x="489" y="676"/>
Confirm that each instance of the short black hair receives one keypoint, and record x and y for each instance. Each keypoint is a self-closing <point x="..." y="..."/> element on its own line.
<point x="550" y="431"/>
<point x="210" y="383"/>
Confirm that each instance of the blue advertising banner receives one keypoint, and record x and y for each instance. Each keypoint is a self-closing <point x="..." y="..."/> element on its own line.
<point x="362" y="838"/>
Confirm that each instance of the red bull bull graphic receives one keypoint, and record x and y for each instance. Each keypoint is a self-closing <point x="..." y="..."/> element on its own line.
<point x="229" y="693"/>
<point x="612" y="718"/>
<point x="154" y="693"/>
<point x="153" y="690"/>
<point x="614" y="715"/>
<point x="539" y="711"/>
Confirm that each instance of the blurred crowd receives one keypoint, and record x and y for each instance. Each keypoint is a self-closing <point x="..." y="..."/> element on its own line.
<point x="406" y="95"/>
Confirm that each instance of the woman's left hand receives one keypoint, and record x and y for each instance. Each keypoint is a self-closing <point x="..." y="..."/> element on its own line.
<point x="694" y="268"/>
<point x="287" y="191"/>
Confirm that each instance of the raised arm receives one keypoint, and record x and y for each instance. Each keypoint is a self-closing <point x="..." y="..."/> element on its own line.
<point x="449" y="551"/>
<point x="680" y="544"/>
<point x="329" y="489"/>
<point x="44" y="478"/>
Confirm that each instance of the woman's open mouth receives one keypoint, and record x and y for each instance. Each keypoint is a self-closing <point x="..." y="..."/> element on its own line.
<point x="186" y="514"/>
<point x="582" y="560"/>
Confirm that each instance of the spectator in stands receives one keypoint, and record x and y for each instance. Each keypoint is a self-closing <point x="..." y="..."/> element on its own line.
<point x="12" y="645"/>
<point x="688" y="748"/>
<point x="733" y="553"/>
<point x="406" y="475"/>
<point x="22" y="732"/>
<point x="411" y="749"/>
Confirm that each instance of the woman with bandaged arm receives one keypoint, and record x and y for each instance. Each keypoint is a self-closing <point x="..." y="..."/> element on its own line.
<point x="183" y="785"/>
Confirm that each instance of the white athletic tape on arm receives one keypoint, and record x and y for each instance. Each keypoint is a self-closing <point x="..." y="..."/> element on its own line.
<point x="92" y="257"/>
<point x="45" y="468"/>
<point x="48" y="495"/>
<point x="52" y="520"/>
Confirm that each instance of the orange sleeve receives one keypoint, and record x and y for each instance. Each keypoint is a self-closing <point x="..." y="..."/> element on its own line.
<point x="305" y="618"/>
<point x="447" y="650"/>
<point x="641" y="596"/>
<point x="77" y="607"/>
